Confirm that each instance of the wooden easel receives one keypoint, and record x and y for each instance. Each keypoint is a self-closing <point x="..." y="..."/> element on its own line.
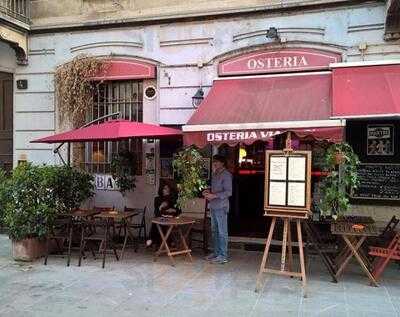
<point x="287" y="215"/>
<point x="286" y="247"/>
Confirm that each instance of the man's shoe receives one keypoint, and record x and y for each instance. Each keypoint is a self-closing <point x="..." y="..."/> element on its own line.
<point x="219" y="260"/>
<point x="210" y="257"/>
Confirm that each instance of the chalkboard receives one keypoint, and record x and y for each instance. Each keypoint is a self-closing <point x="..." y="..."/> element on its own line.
<point x="378" y="181"/>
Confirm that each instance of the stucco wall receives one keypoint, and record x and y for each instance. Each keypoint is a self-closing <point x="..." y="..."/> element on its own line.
<point x="8" y="60"/>
<point x="186" y="55"/>
<point x="61" y="13"/>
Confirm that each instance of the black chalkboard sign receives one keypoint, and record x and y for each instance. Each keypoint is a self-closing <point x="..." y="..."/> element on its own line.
<point x="378" y="181"/>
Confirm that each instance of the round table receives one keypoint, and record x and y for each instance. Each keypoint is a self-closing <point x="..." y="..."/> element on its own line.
<point x="171" y="224"/>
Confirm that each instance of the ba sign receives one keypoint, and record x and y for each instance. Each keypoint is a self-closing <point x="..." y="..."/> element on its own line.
<point x="105" y="182"/>
<point x="285" y="60"/>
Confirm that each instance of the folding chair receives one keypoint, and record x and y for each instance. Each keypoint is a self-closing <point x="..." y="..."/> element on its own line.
<point x="141" y="224"/>
<point x="61" y="234"/>
<point x="385" y="255"/>
<point x="197" y="209"/>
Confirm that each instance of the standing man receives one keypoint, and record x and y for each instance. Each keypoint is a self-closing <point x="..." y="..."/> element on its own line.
<point x="218" y="198"/>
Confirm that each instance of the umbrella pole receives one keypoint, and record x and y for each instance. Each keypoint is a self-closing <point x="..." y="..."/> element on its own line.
<point x="69" y="153"/>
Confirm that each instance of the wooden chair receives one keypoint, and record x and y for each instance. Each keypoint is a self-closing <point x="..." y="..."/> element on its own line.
<point x="386" y="235"/>
<point x="385" y="255"/>
<point x="325" y="247"/>
<point x="61" y="234"/>
<point x="90" y="236"/>
<point x="197" y="208"/>
<point x="141" y="223"/>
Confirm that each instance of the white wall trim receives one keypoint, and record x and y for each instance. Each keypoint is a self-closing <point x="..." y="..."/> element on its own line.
<point x="265" y="125"/>
<point x="274" y="75"/>
<point x="365" y="63"/>
<point x="368" y="116"/>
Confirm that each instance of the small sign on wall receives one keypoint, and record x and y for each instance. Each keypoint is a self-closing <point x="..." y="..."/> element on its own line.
<point x="105" y="182"/>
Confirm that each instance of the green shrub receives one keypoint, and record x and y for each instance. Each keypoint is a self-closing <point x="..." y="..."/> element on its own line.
<point x="71" y="187"/>
<point x="35" y="195"/>
<point x="30" y="208"/>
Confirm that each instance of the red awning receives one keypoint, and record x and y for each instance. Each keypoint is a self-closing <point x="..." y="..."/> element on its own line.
<point x="123" y="69"/>
<point x="246" y="109"/>
<point x="366" y="91"/>
<point x="113" y="130"/>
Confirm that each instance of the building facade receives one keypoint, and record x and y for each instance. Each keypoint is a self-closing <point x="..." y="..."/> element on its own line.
<point x="185" y="41"/>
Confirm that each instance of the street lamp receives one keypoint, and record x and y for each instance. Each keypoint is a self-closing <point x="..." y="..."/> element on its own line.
<point x="198" y="97"/>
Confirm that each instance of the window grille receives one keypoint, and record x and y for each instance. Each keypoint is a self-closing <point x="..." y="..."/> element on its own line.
<point x="125" y="97"/>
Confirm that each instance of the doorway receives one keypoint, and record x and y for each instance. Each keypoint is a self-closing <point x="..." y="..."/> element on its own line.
<point x="6" y="121"/>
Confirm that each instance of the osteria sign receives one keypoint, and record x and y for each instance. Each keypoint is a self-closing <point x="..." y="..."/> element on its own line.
<point x="285" y="60"/>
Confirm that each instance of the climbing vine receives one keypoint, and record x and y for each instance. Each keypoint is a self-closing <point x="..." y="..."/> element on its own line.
<point x="74" y="90"/>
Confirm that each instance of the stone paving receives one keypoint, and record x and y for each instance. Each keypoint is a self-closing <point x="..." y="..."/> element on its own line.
<point x="137" y="286"/>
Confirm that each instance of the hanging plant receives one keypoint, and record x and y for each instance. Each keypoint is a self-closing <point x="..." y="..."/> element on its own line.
<point x="341" y="164"/>
<point x="123" y="171"/>
<point x="188" y="167"/>
<point x="74" y="90"/>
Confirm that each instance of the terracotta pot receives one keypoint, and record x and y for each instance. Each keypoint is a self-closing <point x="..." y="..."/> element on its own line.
<point x="339" y="158"/>
<point x="28" y="249"/>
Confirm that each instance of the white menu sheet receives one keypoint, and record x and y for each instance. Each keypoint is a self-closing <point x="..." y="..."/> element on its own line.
<point x="277" y="168"/>
<point x="277" y="193"/>
<point x="297" y="168"/>
<point x="296" y="194"/>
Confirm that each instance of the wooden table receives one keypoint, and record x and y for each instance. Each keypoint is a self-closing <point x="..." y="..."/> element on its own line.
<point x="110" y="217"/>
<point x="174" y="224"/>
<point x="353" y="240"/>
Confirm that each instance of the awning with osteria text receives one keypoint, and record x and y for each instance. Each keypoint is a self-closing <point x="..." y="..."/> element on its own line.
<point x="247" y="109"/>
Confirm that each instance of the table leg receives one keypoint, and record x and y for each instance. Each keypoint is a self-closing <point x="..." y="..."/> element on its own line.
<point x="184" y="244"/>
<point x="105" y="244"/>
<point x="343" y="265"/>
<point x="354" y="250"/>
<point x="164" y="244"/>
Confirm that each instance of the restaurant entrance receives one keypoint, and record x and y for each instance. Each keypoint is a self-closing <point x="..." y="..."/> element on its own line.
<point x="247" y="164"/>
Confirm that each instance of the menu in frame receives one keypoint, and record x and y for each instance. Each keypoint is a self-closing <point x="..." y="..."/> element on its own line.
<point x="296" y="194"/>
<point x="277" y="168"/>
<point x="277" y="193"/>
<point x="297" y="168"/>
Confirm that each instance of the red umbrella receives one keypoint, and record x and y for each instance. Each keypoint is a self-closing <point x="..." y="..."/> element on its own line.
<point x="112" y="130"/>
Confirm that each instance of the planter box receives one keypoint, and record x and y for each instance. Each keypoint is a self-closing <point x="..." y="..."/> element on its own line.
<point x="28" y="249"/>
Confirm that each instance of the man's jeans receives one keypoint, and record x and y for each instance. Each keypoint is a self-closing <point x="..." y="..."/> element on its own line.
<point x="219" y="228"/>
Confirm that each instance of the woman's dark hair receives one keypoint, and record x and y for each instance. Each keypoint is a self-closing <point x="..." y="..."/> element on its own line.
<point x="171" y="185"/>
<point x="220" y="158"/>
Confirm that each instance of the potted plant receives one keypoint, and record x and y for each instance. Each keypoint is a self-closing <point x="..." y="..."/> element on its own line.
<point x="188" y="167"/>
<point x="29" y="210"/>
<point x="341" y="166"/>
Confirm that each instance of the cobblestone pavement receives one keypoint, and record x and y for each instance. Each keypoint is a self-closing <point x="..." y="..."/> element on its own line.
<point x="137" y="286"/>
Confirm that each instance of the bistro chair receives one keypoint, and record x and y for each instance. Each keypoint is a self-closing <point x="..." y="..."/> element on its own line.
<point x="141" y="222"/>
<point x="197" y="209"/>
<point x="90" y="237"/>
<point x="386" y="235"/>
<point x="61" y="234"/>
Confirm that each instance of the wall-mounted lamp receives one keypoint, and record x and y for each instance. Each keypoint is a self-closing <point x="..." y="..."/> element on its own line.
<point x="198" y="97"/>
<point x="272" y="33"/>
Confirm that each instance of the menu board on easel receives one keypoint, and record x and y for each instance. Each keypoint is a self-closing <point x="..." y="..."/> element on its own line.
<point x="288" y="183"/>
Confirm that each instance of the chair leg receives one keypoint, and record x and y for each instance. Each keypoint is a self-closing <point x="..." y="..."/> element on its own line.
<point x="69" y="245"/>
<point x="47" y="251"/>
<point x="81" y="247"/>
<point x="145" y="230"/>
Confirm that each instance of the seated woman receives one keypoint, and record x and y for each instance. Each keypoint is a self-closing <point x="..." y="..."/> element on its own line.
<point x="164" y="205"/>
